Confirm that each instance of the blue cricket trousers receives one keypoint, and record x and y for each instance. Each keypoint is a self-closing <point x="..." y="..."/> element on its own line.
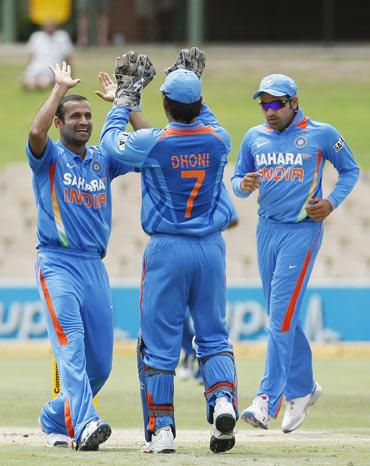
<point x="181" y="272"/>
<point x="76" y="296"/>
<point x="286" y="255"/>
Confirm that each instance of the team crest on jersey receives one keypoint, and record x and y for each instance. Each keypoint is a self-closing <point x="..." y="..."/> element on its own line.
<point x="96" y="166"/>
<point x="122" y="141"/>
<point x="300" y="142"/>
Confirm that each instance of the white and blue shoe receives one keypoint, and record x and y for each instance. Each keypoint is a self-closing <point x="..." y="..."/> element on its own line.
<point x="295" y="411"/>
<point x="95" y="433"/>
<point x="257" y="414"/>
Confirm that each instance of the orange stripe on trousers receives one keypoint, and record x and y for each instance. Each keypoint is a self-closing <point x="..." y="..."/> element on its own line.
<point x="68" y="419"/>
<point x="293" y="300"/>
<point x="279" y="407"/>
<point x="62" y="337"/>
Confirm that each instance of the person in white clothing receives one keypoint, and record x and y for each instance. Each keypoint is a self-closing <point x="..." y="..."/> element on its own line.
<point x="47" y="46"/>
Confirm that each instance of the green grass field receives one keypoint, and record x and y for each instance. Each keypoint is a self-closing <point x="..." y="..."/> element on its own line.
<point x="333" y="87"/>
<point x="336" y="432"/>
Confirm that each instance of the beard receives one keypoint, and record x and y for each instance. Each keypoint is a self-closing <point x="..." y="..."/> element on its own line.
<point x="71" y="140"/>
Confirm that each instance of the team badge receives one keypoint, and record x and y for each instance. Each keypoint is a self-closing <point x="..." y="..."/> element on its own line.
<point x="96" y="166"/>
<point x="300" y="142"/>
<point x="267" y="81"/>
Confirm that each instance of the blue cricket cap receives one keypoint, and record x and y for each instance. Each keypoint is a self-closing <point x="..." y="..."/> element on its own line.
<point x="277" y="85"/>
<point x="183" y="86"/>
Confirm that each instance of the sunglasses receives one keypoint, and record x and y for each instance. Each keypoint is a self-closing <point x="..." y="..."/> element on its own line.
<point x="274" y="105"/>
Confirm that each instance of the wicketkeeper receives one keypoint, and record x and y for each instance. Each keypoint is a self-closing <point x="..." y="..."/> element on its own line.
<point x="184" y="209"/>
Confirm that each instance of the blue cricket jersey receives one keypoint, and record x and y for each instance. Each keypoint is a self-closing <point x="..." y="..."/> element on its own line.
<point x="73" y="197"/>
<point x="181" y="167"/>
<point x="291" y="163"/>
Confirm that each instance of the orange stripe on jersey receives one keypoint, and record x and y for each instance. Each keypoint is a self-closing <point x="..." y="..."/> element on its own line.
<point x="315" y="178"/>
<point x="56" y="210"/>
<point x="62" y="337"/>
<point x="68" y="419"/>
<point x="293" y="301"/>
<point x="303" y="123"/>
<point x="142" y="284"/>
<point x="189" y="132"/>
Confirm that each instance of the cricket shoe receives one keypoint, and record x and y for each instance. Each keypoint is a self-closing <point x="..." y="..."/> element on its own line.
<point x="58" y="440"/>
<point x="257" y="413"/>
<point x="224" y="420"/>
<point x="295" y="411"/>
<point x="95" y="433"/>
<point x="162" y="442"/>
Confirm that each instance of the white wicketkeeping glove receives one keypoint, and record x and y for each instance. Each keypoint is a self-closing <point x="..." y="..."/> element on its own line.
<point x="192" y="59"/>
<point x="133" y="72"/>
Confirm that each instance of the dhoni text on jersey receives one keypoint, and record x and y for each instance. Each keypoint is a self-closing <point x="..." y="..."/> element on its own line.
<point x="79" y="191"/>
<point x="190" y="160"/>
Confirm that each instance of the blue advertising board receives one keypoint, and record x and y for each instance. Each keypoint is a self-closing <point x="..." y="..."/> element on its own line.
<point x="332" y="313"/>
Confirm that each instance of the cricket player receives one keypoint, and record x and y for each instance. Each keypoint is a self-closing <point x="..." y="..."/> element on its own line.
<point x="184" y="209"/>
<point x="71" y="182"/>
<point x="284" y="159"/>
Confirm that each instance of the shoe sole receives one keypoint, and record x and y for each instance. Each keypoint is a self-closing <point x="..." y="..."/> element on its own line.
<point x="101" y="434"/>
<point x="59" y="444"/>
<point x="220" y="445"/>
<point x="225" y="423"/>
<point x="315" y="396"/>
<point x="165" y="451"/>
<point x="250" y="419"/>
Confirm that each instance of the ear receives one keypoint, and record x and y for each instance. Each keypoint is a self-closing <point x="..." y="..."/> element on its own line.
<point x="58" y="122"/>
<point x="295" y="102"/>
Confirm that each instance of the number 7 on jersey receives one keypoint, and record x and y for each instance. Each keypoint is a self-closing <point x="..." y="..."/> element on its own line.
<point x="199" y="175"/>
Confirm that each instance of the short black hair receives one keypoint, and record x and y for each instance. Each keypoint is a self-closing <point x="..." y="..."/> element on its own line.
<point x="183" y="113"/>
<point x="67" y="98"/>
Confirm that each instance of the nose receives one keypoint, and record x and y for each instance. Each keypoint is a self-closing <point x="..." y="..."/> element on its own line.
<point x="84" y="120"/>
<point x="269" y="111"/>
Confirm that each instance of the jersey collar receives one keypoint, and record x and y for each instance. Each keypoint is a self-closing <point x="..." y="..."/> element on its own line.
<point x="184" y="126"/>
<point x="90" y="151"/>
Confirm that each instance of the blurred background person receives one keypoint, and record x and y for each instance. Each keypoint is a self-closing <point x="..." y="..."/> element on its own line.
<point x="100" y="9"/>
<point x="47" y="46"/>
<point x="155" y="19"/>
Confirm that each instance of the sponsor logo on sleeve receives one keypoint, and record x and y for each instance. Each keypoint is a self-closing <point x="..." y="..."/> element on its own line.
<point x="122" y="141"/>
<point x="339" y="144"/>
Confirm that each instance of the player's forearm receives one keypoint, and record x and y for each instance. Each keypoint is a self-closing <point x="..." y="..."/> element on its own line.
<point x="346" y="182"/>
<point x="116" y="121"/>
<point x="138" y="121"/>
<point x="38" y="134"/>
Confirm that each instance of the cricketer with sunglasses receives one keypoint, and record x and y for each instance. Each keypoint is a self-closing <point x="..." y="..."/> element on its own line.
<point x="284" y="158"/>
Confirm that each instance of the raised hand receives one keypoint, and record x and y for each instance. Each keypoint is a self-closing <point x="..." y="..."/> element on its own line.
<point x="108" y="85"/>
<point x="63" y="75"/>
<point x="133" y="72"/>
<point x="192" y="59"/>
